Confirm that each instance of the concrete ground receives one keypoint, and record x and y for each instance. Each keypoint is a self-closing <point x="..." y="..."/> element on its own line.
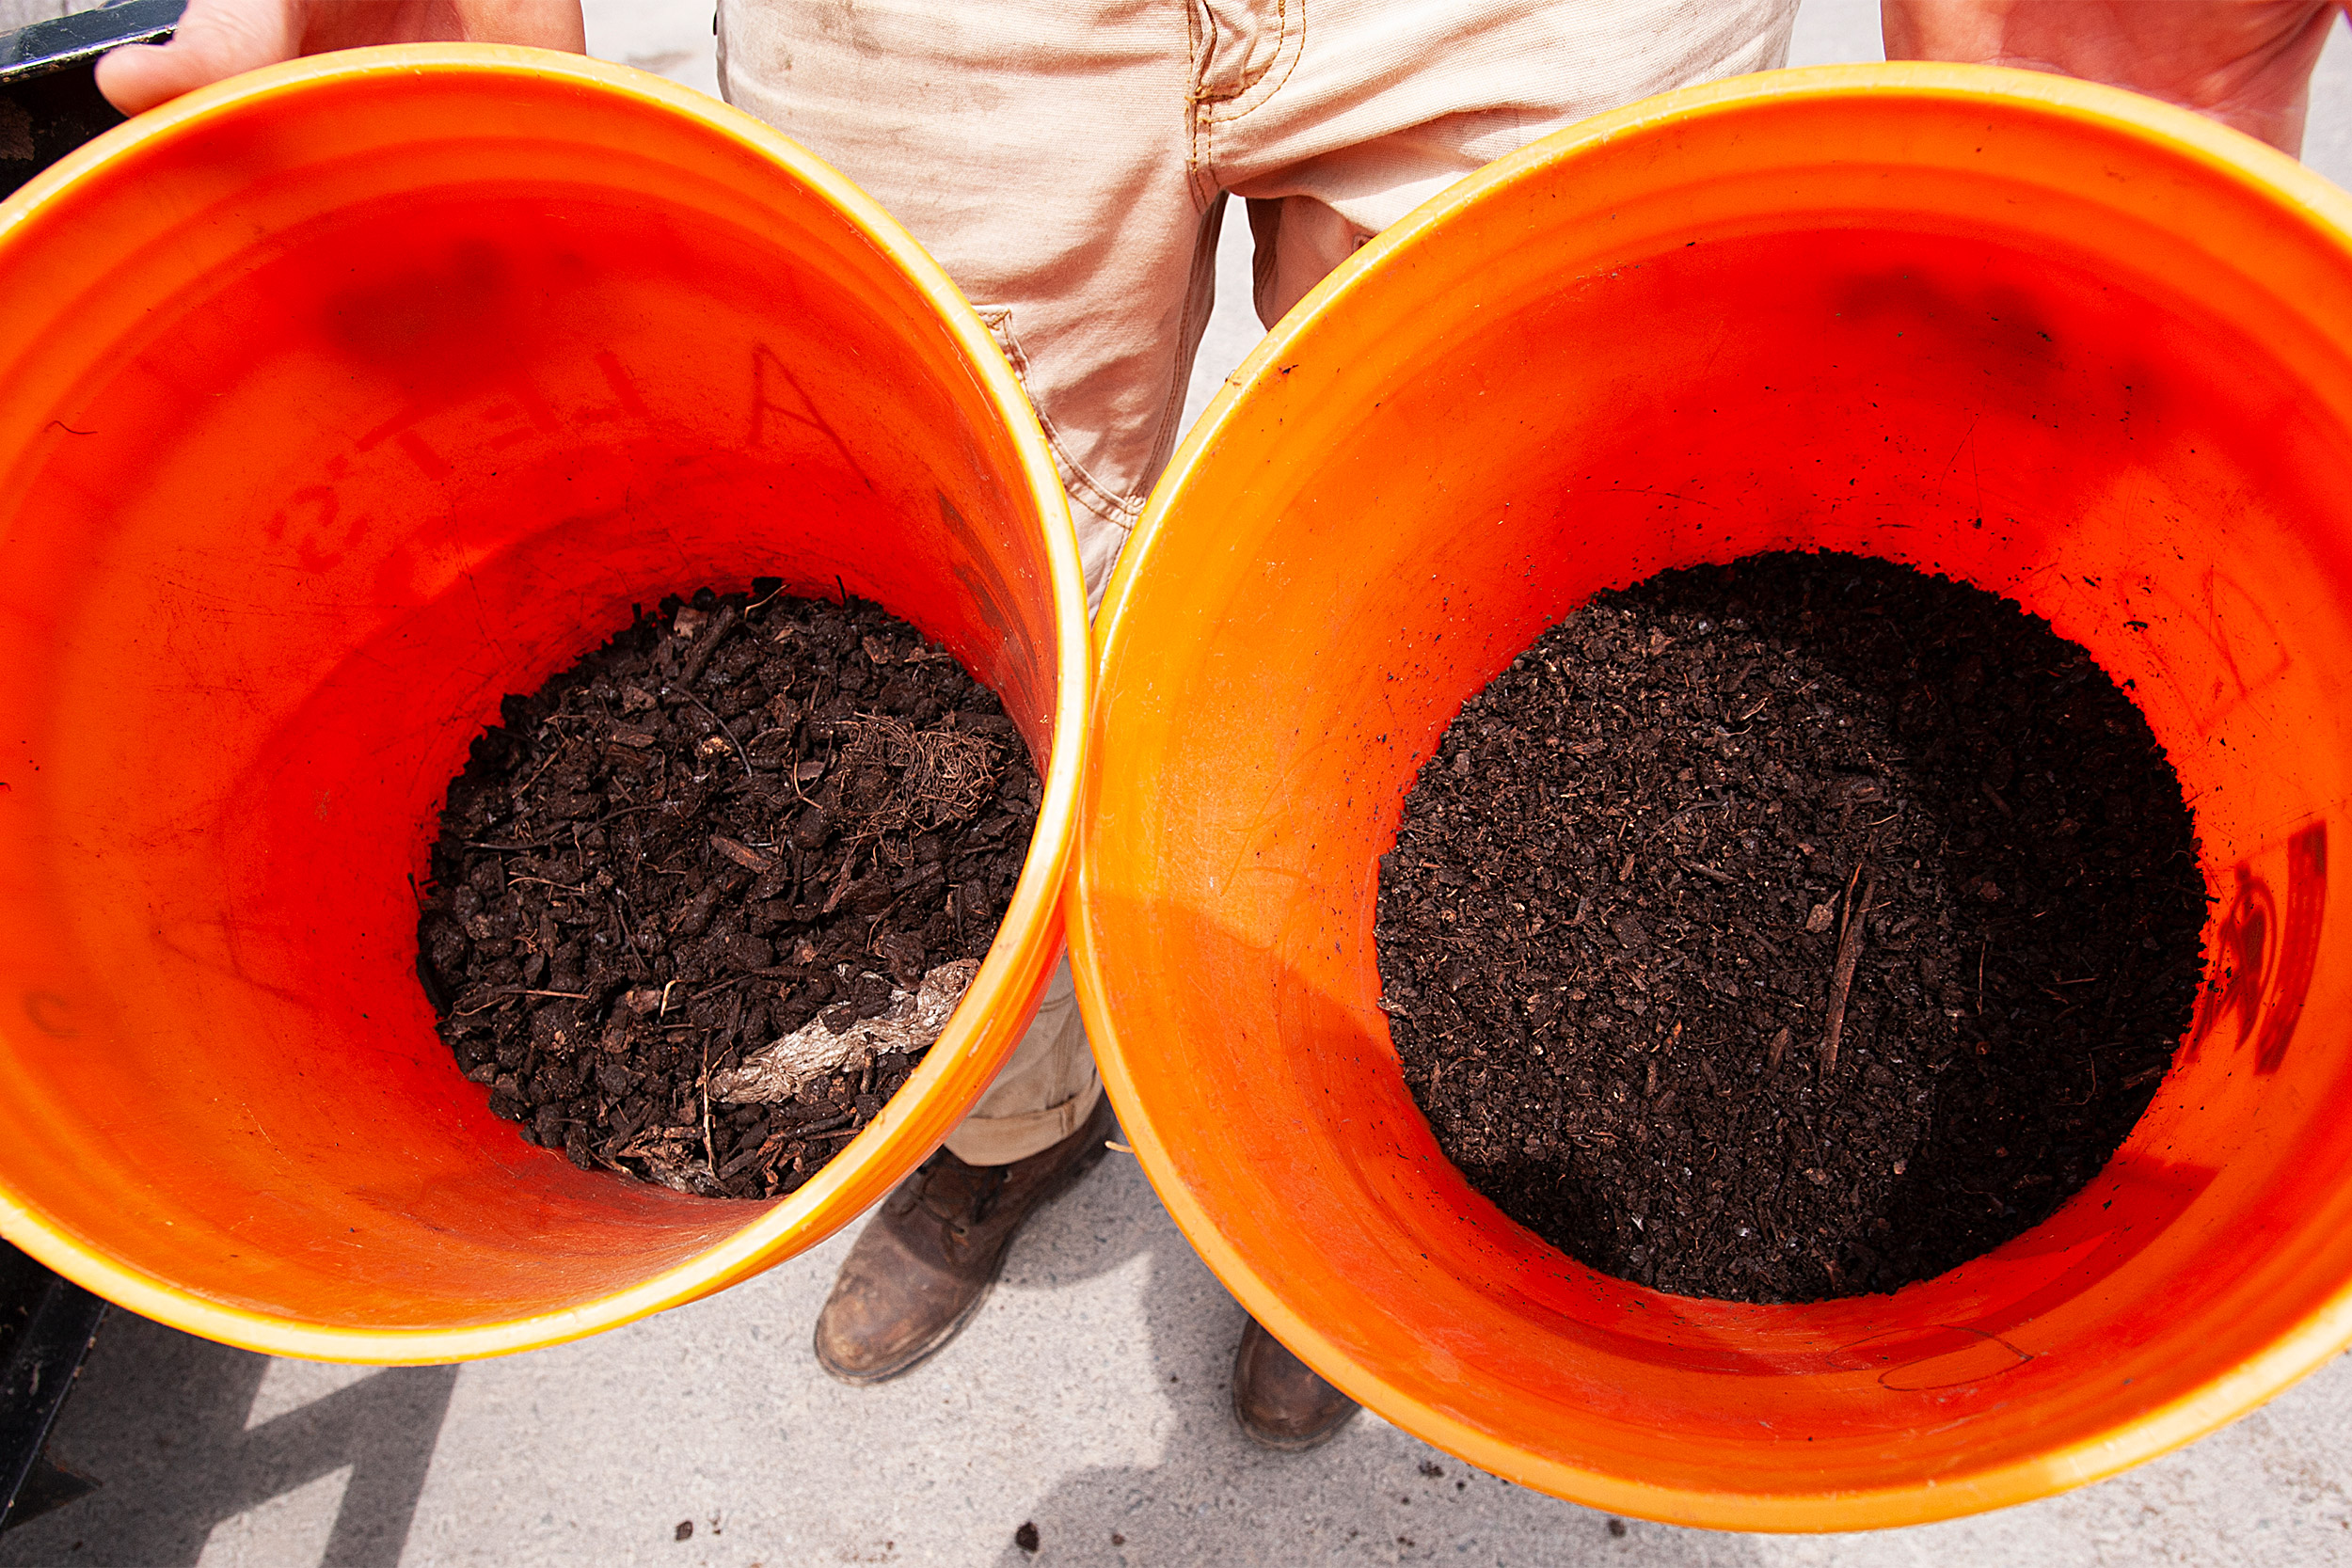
<point x="1088" y="1396"/>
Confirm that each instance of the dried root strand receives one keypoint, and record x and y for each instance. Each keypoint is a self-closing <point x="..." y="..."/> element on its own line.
<point x="947" y="772"/>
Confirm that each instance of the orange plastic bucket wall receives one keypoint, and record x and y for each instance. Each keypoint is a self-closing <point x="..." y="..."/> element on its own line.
<point x="336" y="403"/>
<point x="2074" y="346"/>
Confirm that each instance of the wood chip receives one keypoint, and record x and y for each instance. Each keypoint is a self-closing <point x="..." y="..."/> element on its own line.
<point x="741" y="854"/>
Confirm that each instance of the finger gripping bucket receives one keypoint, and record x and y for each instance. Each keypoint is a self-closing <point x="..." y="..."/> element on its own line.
<point x="2074" y="346"/>
<point x="335" y="404"/>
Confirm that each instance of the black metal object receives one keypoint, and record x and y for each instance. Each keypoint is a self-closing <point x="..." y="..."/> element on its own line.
<point x="49" y="99"/>
<point x="47" y="1325"/>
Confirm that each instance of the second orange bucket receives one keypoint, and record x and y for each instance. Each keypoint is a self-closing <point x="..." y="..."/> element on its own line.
<point x="2071" y="345"/>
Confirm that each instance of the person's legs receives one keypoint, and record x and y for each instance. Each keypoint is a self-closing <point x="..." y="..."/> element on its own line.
<point x="1068" y="164"/>
<point x="1040" y="151"/>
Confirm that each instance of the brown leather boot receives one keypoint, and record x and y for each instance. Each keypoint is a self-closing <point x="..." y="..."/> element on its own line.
<point x="1280" y="1400"/>
<point x="927" y="1258"/>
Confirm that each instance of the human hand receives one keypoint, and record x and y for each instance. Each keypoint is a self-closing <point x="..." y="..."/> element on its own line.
<point x="2247" y="63"/>
<point x="220" y="38"/>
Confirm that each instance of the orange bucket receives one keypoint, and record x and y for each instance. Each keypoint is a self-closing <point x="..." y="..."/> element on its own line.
<point x="2073" y="345"/>
<point x="335" y="402"/>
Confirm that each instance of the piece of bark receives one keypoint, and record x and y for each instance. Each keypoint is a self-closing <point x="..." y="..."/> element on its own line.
<point x="673" y="1159"/>
<point x="911" y="1023"/>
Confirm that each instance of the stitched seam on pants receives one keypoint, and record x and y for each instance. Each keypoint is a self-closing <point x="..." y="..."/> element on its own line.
<point x="1118" y="518"/>
<point x="1205" y="185"/>
<point x="1281" y="38"/>
<point x="1198" y="173"/>
<point x="1292" y="24"/>
<point x="1083" y="486"/>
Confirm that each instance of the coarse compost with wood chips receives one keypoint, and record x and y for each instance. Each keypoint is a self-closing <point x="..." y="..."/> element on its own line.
<point x="701" y="902"/>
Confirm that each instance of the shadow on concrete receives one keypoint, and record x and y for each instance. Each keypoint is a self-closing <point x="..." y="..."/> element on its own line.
<point x="159" y="1422"/>
<point x="1373" y="1494"/>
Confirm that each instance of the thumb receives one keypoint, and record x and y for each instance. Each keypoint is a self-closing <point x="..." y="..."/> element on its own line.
<point x="217" y="39"/>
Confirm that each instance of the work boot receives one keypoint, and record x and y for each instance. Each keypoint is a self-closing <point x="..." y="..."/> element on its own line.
<point x="1278" y="1398"/>
<point x="927" y="1258"/>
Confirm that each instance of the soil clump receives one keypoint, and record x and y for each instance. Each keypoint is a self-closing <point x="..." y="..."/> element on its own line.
<point x="1795" y="928"/>
<point x="700" y="902"/>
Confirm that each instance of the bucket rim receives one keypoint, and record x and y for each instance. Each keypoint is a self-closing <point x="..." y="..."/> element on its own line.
<point x="2183" y="134"/>
<point x="1016" y="967"/>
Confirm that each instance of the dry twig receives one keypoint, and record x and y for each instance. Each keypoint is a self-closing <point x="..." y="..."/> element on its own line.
<point x="1841" y="977"/>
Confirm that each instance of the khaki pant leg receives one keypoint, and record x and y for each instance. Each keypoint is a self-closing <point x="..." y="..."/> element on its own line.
<point x="1047" y="1087"/>
<point x="1374" y="106"/>
<point x="1039" y="149"/>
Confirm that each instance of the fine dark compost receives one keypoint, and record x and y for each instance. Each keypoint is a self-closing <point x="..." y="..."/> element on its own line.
<point x="740" y="820"/>
<point x="1795" y="928"/>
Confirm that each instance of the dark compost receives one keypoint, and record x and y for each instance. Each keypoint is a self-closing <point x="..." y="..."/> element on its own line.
<point x="1795" y="929"/>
